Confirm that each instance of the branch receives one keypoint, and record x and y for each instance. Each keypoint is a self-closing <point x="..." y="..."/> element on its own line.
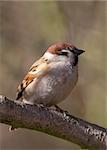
<point x="50" y="121"/>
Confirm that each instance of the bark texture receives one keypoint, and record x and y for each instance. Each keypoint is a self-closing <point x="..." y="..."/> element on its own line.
<point x="50" y="121"/>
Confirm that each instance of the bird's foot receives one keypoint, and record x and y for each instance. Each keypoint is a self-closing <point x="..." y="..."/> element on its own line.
<point x="60" y="110"/>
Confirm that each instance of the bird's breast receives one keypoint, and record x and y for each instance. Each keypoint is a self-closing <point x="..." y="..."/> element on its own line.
<point x="53" y="87"/>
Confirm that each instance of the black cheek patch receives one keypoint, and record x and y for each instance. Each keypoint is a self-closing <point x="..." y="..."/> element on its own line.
<point x="75" y="60"/>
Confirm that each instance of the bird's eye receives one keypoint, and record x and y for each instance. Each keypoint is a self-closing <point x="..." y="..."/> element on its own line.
<point x="64" y="53"/>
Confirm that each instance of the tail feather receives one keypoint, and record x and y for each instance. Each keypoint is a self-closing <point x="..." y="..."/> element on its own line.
<point x="19" y="92"/>
<point x="19" y="95"/>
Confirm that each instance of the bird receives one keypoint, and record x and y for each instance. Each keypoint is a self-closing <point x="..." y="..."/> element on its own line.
<point x="51" y="78"/>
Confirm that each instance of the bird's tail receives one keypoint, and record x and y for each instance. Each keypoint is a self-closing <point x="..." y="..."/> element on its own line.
<point x="19" y="93"/>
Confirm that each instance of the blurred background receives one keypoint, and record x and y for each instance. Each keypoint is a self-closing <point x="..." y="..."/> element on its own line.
<point x="27" y="29"/>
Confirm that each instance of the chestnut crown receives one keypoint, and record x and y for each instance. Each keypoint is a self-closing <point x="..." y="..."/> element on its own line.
<point x="62" y="48"/>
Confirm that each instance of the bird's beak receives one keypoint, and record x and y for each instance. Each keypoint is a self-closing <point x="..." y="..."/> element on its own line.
<point x="78" y="51"/>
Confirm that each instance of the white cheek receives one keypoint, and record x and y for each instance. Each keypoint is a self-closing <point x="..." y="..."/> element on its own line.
<point x="48" y="55"/>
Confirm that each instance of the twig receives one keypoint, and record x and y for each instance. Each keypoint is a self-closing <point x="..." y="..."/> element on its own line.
<point x="50" y="121"/>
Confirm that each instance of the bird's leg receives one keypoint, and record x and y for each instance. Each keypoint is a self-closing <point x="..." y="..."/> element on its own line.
<point x="41" y="105"/>
<point x="60" y="110"/>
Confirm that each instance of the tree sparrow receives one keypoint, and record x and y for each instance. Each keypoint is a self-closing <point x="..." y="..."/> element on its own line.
<point x="51" y="78"/>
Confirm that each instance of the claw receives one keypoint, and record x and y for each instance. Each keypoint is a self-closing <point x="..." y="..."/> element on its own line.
<point x="61" y="110"/>
<point x="58" y="109"/>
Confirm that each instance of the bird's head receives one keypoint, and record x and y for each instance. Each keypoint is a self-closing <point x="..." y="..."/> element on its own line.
<point x="64" y="50"/>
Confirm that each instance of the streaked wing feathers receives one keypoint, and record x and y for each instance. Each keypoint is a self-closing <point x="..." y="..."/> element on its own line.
<point x="36" y="71"/>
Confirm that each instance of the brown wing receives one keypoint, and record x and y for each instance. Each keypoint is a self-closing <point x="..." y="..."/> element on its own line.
<point x="37" y="70"/>
<point x="27" y="80"/>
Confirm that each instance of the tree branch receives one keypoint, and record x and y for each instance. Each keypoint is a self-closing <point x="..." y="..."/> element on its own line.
<point x="48" y="120"/>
